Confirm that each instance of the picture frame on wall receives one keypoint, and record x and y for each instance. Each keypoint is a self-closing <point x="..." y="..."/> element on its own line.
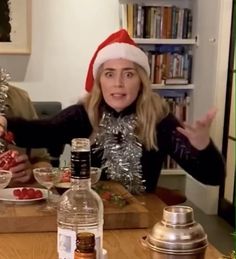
<point x="15" y="26"/>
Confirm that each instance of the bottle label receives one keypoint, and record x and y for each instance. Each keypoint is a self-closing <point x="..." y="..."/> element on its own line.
<point x="66" y="243"/>
<point x="80" y="164"/>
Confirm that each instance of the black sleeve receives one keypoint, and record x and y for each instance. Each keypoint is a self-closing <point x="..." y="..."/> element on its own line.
<point x="70" y="123"/>
<point x="207" y="166"/>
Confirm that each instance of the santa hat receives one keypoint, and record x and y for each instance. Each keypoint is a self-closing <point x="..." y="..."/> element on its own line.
<point x="117" y="45"/>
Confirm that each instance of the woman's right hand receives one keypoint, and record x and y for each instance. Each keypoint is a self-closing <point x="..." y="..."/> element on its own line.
<point x="3" y="125"/>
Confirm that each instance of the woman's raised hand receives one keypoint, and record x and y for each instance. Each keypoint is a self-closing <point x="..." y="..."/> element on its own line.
<point x="198" y="133"/>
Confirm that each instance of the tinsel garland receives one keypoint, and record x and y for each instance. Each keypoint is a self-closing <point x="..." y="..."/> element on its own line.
<point x="4" y="77"/>
<point x="121" y="151"/>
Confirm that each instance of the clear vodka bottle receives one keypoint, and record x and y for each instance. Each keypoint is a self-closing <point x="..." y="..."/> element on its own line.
<point x="80" y="208"/>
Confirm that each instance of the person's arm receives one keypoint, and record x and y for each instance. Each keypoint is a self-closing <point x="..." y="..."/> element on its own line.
<point x="19" y="104"/>
<point x="70" y="123"/>
<point x="204" y="161"/>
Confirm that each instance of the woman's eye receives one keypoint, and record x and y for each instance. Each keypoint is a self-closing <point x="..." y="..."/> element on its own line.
<point x="129" y="74"/>
<point x="108" y="74"/>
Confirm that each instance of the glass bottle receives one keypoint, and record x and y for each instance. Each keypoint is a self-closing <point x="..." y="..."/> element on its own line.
<point x="80" y="208"/>
<point x="85" y="246"/>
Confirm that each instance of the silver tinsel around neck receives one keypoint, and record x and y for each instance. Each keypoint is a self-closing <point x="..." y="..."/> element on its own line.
<point x="121" y="151"/>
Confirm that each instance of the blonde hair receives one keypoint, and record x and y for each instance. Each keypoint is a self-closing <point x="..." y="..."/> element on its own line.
<point x="150" y="109"/>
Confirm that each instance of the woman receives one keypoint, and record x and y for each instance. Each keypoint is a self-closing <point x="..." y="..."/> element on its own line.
<point x="130" y="127"/>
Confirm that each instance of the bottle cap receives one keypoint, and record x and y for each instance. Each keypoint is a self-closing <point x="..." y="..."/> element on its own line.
<point x="85" y="242"/>
<point x="80" y="144"/>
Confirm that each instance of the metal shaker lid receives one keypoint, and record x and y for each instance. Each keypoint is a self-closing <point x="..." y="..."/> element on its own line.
<point x="177" y="232"/>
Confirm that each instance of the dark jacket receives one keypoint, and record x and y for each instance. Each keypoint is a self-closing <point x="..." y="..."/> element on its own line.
<point x="206" y="165"/>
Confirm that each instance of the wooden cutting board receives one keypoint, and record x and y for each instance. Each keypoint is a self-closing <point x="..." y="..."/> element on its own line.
<point x="28" y="218"/>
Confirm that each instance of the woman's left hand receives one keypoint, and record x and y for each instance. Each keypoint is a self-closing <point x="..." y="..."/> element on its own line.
<point x="198" y="133"/>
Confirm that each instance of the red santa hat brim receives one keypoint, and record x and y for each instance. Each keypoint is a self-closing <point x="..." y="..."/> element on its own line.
<point x="117" y="45"/>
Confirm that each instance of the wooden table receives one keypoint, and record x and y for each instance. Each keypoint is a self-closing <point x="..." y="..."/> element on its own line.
<point x="120" y="244"/>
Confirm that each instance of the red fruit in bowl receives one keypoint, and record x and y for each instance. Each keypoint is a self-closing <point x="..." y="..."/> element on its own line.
<point x="38" y="194"/>
<point x="24" y="190"/>
<point x="66" y="175"/>
<point x="17" y="192"/>
<point x="31" y="193"/>
<point x="27" y="193"/>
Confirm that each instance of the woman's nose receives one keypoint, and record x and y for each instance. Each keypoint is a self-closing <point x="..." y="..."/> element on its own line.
<point x="119" y="80"/>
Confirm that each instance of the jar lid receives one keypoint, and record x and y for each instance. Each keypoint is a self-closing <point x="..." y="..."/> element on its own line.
<point x="85" y="241"/>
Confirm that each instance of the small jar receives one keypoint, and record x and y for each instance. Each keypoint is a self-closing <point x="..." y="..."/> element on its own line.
<point x="85" y="246"/>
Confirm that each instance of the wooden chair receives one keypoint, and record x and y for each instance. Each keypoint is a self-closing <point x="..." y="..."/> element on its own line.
<point x="46" y="109"/>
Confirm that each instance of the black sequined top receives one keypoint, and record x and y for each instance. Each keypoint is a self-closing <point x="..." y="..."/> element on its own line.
<point x="207" y="166"/>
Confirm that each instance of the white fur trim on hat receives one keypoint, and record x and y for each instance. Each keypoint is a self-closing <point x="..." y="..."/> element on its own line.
<point x="121" y="50"/>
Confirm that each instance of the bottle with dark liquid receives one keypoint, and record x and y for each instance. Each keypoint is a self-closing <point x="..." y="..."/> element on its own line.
<point x="85" y="246"/>
<point x="80" y="208"/>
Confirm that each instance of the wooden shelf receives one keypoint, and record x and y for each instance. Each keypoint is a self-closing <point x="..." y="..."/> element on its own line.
<point x="165" y="41"/>
<point x="172" y="87"/>
<point x="173" y="172"/>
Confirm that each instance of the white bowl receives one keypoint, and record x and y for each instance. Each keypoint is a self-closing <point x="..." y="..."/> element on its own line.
<point x="95" y="174"/>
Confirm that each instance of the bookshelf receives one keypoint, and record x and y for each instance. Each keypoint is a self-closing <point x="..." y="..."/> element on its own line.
<point x="208" y="44"/>
<point x="169" y="51"/>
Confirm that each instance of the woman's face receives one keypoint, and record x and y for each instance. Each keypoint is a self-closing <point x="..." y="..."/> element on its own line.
<point x="120" y="83"/>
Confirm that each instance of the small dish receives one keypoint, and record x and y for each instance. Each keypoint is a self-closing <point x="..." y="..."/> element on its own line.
<point x="95" y="174"/>
<point x="7" y="195"/>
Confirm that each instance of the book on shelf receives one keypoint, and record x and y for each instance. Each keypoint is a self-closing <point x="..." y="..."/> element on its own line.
<point x="158" y="22"/>
<point x="123" y="16"/>
<point x="140" y="21"/>
<point x="170" y="63"/>
<point x="179" y="103"/>
<point x="130" y="19"/>
<point x="176" y="81"/>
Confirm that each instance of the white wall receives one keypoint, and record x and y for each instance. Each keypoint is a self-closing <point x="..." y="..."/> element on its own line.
<point x="65" y="34"/>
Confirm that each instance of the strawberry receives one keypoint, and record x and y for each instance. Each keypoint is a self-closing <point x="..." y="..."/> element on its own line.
<point x="24" y="191"/>
<point x="27" y="193"/>
<point x="66" y="175"/>
<point x="38" y="194"/>
<point x="31" y="193"/>
<point x="106" y="195"/>
<point x="17" y="192"/>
